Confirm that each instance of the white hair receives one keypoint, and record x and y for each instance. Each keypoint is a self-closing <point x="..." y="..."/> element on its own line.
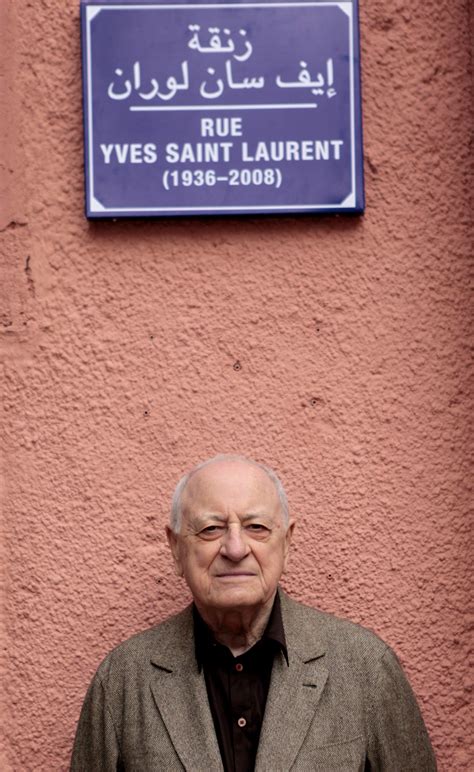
<point x="176" y="502"/>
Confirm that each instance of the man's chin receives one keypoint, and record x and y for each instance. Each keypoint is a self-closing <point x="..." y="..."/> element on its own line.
<point x="238" y="594"/>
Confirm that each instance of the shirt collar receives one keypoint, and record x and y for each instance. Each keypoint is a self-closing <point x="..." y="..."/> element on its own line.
<point x="274" y="632"/>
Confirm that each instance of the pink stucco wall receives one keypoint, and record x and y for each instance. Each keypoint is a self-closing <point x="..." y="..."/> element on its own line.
<point x="120" y="343"/>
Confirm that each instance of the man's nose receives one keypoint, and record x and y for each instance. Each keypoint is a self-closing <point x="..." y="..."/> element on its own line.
<point x="234" y="546"/>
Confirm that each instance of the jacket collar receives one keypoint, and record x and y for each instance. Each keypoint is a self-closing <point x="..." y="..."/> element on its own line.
<point x="175" y="643"/>
<point x="300" y="632"/>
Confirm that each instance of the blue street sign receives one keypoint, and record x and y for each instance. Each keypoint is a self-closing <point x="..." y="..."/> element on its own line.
<point x="221" y="108"/>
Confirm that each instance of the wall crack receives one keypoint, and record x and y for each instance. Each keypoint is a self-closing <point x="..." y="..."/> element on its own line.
<point x="29" y="277"/>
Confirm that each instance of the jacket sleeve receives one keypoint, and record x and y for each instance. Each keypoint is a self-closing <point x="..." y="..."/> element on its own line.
<point x="96" y="748"/>
<point x="398" y="739"/>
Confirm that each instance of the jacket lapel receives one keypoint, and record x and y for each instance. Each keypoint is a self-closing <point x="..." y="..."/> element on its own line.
<point x="180" y="694"/>
<point x="295" y="691"/>
<point x="179" y="691"/>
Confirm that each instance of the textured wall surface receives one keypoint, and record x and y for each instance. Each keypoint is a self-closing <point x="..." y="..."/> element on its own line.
<point x="335" y="349"/>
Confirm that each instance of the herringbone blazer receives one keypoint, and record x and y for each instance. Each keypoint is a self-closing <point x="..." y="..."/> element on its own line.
<point x="342" y="703"/>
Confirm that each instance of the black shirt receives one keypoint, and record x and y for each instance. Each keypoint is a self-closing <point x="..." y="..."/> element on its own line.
<point x="237" y="688"/>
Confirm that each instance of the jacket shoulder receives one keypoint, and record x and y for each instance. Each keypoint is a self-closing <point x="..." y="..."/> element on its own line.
<point x="174" y="633"/>
<point x="312" y="627"/>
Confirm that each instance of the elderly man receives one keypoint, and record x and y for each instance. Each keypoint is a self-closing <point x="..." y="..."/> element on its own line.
<point x="246" y="678"/>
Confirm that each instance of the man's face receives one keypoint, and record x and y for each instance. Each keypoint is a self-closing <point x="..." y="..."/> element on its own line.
<point x="233" y="543"/>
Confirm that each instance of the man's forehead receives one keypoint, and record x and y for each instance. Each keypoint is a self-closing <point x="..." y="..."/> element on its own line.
<point x="230" y="481"/>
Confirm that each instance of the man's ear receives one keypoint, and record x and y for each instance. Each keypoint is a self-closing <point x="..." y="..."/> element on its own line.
<point x="288" y="538"/>
<point x="173" y="541"/>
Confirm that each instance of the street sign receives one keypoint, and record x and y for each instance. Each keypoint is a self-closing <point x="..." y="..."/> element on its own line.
<point x="228" y="108"/>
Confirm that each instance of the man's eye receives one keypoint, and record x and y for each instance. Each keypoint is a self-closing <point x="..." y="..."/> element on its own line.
<point x="257" y="528"/>
<point x="211" y="531"/>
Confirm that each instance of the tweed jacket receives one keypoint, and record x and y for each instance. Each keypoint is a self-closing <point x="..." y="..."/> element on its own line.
<point x="342" y="703"/>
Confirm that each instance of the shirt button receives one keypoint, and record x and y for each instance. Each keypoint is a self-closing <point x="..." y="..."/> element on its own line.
<point x="241" y="722"/>
<point x="239" y="667"/>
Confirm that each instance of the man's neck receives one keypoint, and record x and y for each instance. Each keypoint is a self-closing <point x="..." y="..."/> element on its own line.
<point x="238" y="629"/>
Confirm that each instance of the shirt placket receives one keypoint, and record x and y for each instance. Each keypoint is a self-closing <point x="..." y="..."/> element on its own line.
<point x="242" y="712"/>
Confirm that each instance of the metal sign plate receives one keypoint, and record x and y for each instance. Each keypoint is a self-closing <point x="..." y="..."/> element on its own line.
<point x="229" y="108"/>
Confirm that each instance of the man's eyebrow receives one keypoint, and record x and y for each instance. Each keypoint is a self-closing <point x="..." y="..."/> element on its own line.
<point x="201" y="519"/>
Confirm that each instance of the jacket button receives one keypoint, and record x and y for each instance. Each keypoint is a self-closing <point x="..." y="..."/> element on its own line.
<point x="241" y="722"/>
<point x="239" y="667"/>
